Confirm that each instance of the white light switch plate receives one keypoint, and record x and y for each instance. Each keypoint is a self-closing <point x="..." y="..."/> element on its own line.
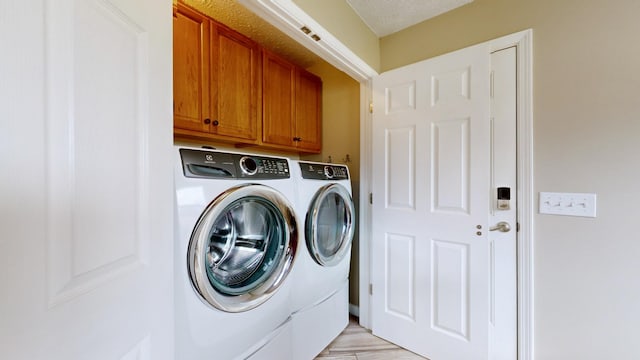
<point x="570" y="204"/>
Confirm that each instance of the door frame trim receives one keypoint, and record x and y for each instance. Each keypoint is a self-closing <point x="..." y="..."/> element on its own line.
<point x="288" y="18"/>
<point x="524" y="133"/>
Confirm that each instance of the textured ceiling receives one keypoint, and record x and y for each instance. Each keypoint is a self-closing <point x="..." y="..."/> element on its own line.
<point x="385" y="17"/>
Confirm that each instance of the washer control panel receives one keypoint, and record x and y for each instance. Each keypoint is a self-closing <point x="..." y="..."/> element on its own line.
<point x="324" y="171"/>
<point x="263" y="167"/>
<point x="219" y="165"/>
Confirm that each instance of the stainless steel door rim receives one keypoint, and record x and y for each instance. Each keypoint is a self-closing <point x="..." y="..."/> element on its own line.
<point x="242" y="247"/>
<point x="329" y="226"/>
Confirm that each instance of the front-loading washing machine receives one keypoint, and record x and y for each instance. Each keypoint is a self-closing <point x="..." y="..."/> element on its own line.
<point x="321" y="274"/>
<point x="236" y="240"/>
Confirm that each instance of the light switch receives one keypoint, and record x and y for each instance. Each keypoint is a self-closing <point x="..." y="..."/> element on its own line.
<point x="570" y="204"/>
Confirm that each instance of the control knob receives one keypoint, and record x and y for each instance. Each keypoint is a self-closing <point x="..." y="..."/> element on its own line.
<point x="248" y="165"/>
<point x="328" y="172"/>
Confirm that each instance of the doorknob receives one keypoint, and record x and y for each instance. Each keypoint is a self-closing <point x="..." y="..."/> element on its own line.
<point x="502" y="226"/>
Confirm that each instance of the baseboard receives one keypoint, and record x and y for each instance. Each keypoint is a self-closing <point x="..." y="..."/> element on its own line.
<point x="354" y="310"/>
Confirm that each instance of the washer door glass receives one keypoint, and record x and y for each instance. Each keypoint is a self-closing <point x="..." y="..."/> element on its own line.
<point x="242" y="247"/>
<point x="330" y="224"/>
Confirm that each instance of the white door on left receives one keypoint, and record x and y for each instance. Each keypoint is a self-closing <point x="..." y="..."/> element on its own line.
<point x="86" y="222"/>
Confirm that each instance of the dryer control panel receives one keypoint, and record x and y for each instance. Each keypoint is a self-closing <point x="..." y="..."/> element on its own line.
<point x="221" y="165"/>
<point x="324" y="171"/>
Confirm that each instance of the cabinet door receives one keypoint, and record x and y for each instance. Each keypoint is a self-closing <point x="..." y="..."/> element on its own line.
<point x="235" y="84"/>
<point x="190" y="69"/>
<point x="277" y="98"/>
<point x="308" y="107"/>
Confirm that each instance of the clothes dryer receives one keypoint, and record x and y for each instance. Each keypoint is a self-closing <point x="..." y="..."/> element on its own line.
<point x="236" y="240"/>
<point x="321" y="274"/>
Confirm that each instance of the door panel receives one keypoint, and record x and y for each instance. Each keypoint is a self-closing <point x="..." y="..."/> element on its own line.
<point x="450" y="165"/>
<point x="450" y="288"/>
<point x="86" y="250"/>
<point x="399" y="276"/>
<point x="308" y="108"/>
<point x="431" y="160"/>
<point x="234" y="75"/>
<point x="401" y="164"/>
<point x="279" y="108"/>
<point x="450" y="87"/>
<point x="400" y="97"/>
<point x="89" y="265"/>
<point x="191" y="63"/>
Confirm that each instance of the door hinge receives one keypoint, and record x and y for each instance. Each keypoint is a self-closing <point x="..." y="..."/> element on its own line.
<point x="371" y="107"/>
<point x="370" y="289"/>
<point x="371" y="198"/>
<point x="517" y="227"/>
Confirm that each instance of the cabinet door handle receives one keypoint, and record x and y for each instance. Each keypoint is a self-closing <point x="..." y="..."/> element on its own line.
<point x="297" y="139"/>
<point x="215" y="123"/>
<point x="207" y="121"/>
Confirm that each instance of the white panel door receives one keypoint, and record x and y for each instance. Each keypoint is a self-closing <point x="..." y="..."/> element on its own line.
<point x="86" y="247"/>
<point x="431" y="186"/>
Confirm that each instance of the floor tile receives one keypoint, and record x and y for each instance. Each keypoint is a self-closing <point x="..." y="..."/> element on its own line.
<point x="357" y="343"/>
<point x="398" y="354"/>
<point x="337" y="357"/>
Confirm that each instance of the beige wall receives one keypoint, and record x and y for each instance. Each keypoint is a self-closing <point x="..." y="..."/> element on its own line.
<point x="337" y="17"/>
<point x="586" y="139"/>
<point x="340" y="118"/>
<point x="341" y="139"/>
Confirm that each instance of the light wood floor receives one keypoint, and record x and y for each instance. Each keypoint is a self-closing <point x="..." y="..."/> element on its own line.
<point x="356" y="343"/>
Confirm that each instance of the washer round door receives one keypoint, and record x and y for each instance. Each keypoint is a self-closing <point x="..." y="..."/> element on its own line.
<point x="242" y="247"/>
<point x="329" y="225"/>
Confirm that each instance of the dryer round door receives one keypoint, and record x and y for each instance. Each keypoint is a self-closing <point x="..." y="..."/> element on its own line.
<point x="329" y="225"/>
<point x="242" y="247"/>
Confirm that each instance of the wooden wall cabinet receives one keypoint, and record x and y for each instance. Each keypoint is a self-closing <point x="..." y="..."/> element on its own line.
<point x="226" y="88"/>
<point x="216" y="80"/>
<point x="292" y="104"/>
<point x="308" y="100"/>
<point x="191" y="66"/>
